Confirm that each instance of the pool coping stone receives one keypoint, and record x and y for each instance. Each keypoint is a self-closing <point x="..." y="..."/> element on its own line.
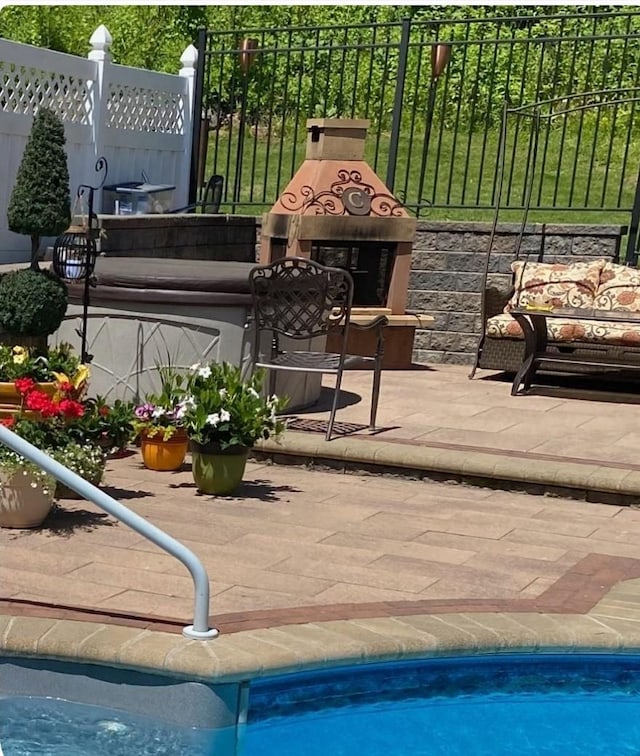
<point x="611" y="626"/>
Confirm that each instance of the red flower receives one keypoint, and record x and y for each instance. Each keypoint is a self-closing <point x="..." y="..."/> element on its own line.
<point x="103" y="411"/>
<point x="66" y="387"/>
<point x="24" y="385"/>
<point x="8" y="422"/>
<point x="38" y="401"/>
<point x="70" y="408"/>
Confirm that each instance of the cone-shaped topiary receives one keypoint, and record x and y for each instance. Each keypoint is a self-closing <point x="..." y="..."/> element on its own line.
<point x="40" y="204"/>
<point x="32" y="302"/>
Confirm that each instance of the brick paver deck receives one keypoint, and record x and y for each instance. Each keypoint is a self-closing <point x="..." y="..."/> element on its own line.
<point x="296" y="544"/>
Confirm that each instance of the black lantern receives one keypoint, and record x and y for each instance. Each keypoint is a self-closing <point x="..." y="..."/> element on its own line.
<point x="74" y="256"/>
<point x="75" y="252"/>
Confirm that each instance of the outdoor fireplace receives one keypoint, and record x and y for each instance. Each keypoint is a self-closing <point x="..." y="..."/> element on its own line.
<point x="336" y="210"/>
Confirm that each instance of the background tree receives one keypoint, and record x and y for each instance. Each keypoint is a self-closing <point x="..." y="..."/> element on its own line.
<point x="40" y="202"/>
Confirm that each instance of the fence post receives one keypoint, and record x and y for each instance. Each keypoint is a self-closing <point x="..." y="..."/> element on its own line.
<point x="397" y="103"/>
<point x="198" y="99"/>
<point x="100" y="42"/>
<point x="188" y="72"/>
<point x="631" y="255"/>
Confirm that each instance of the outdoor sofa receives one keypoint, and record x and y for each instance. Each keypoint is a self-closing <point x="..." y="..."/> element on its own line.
<point x="597" y="284"/>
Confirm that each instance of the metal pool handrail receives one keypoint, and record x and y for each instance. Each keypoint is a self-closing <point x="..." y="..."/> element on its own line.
<point x="200" y="629"/>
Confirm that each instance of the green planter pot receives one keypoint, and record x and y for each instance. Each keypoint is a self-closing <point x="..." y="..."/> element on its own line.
<point x="216" y="471"/>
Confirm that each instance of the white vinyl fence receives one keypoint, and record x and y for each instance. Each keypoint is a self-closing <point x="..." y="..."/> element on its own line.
<point x="139" y="120"/>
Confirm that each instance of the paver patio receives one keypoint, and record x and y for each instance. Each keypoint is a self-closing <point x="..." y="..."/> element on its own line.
<point x="294" y="539"/>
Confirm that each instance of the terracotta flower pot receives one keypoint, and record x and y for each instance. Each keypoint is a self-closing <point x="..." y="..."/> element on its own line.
<point x="158" y="454"/>
<point x="21" y="504"/>
<point x="218" y="471"/>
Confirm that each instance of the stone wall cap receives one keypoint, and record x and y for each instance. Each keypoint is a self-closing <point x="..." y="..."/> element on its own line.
<point x="165" y="220"/>
<point x="558" y="229"/>
<point x="592" y="229"/>
<point x="338" y="123"/>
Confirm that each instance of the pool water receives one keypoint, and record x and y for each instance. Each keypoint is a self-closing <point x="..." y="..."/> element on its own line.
<point x="511" y="705"/>
<point x="51" y="727"/>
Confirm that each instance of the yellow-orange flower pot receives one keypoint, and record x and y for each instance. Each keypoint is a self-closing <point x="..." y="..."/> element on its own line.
<point x="158" y="454"/>
<point x="11" y="400"/>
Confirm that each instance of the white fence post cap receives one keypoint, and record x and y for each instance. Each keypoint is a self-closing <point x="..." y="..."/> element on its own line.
<point x="189" y="57"/>
<point x="100" y="42"/>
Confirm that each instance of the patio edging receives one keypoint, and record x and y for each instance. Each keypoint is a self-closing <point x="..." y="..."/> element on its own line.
<point x="466" y="464"/>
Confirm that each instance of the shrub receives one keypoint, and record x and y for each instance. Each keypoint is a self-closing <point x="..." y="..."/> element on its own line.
<point x="32" y="302"/>
<point x="40" y="203"/>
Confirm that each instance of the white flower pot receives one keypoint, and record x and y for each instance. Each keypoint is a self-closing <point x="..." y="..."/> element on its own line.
<point x="22" y="505"/>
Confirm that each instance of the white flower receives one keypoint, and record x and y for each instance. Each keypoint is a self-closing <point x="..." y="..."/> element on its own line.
<point x="195" y="367"/>
<point x="213" y="419"/>
<point x="180" y="412"/>
<point x="223" y="393"/>
<point x="224" y="416"/>
<point x="188" y="402"/>
<point x="252" y="392"/>
<point x="204" y="372"/>
<point x="158" y="412"/>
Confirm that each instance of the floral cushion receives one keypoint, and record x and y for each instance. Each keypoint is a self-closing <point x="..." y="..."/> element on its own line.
<point x="557" y="284"/>
<point x="504" y="326"/>
<point x="619" y="289"/>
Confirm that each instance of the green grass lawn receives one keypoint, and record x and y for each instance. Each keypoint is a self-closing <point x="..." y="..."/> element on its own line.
<point x="460" y="170"/>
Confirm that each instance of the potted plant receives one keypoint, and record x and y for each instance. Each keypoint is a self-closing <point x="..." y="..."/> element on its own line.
<point x="55" y="371"/>
<point x="40" y="203"/>
<point x="87" y="460"/>
<point x="109" y="426"/>
<point x="160" y="426"/>
<point x="224" y="417"/>
<point x="51" y="424"/>
<point x="26" y="491"/>
<point x="33" y="304"/>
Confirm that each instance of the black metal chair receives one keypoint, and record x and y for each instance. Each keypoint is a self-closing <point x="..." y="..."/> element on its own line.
<point x="211" y="199"/>
<point x="301" y="299"/>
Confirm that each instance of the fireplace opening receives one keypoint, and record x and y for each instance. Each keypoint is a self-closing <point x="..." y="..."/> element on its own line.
<point x="370" y="266"/>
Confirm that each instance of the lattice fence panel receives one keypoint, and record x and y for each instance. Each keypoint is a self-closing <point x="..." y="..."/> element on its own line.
<point x="23" y="90"/>
<point x="141" y="109"/>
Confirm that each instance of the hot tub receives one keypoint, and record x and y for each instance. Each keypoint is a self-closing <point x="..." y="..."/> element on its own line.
<point x="149" y="312"/>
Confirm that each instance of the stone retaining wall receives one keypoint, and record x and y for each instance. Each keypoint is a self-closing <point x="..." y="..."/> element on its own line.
<point x="447" y="269"/>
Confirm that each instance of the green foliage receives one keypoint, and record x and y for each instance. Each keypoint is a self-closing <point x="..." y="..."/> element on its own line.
<point x="342" y="61"/>
<point x="32" y="302"/>
<point x="145" y="36"/>
<point x="109" y="426"/>
<point x="223" y="409"/>
<point x="20" y="362"/>
<point x="12" y="463"/>
<point x="86" y="460"/>
<point x="40" y="204"/>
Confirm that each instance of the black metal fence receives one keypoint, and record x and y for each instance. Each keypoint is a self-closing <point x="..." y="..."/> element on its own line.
<point x="434" y="92"/>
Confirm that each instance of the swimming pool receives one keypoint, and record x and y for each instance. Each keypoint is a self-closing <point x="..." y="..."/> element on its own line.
<point x="53" y="708"/>
<point x="521" y="704"/>
<point x="497" y="704"/>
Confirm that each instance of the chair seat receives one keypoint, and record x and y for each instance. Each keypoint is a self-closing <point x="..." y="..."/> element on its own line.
<point x="324" y="362"/>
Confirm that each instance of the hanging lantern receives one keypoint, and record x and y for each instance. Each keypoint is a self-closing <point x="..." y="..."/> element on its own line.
<point x="74" y="256"/>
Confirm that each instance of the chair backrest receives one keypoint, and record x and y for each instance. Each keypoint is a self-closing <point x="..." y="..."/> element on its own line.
<point x="300" y="298"/>
<point x="213" y="194"/>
